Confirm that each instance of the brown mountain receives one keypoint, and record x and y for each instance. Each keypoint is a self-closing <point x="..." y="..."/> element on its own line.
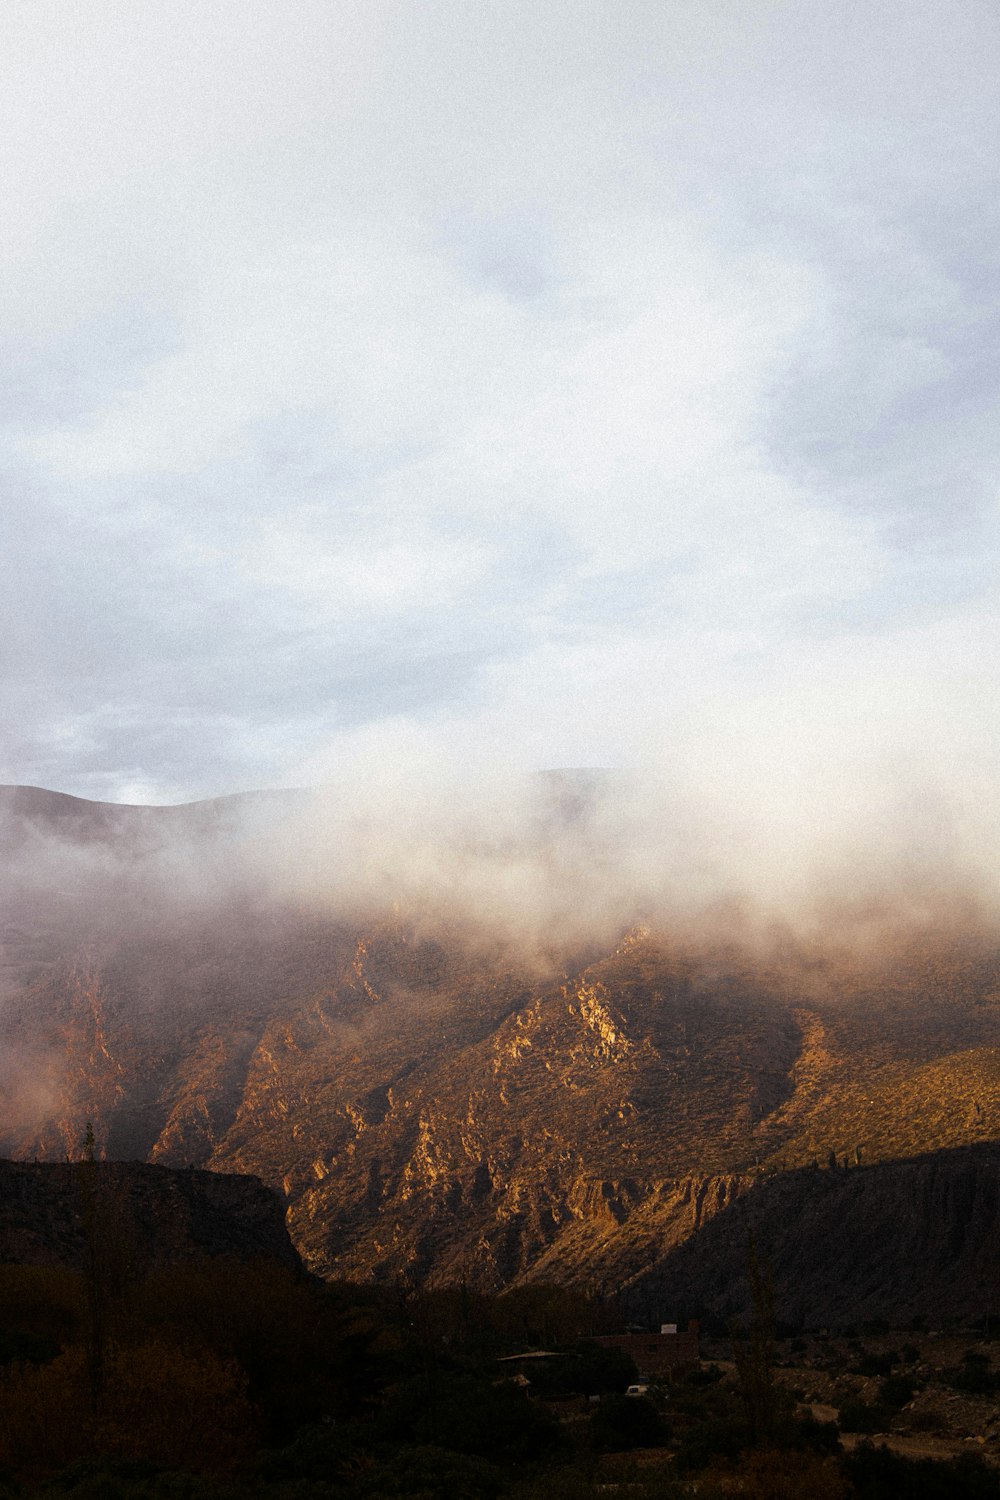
<point x="436" y="1099"/>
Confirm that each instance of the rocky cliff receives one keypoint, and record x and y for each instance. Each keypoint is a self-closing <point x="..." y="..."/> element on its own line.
<point x="899" y="1241"/>
<point x="150" y="1216"/>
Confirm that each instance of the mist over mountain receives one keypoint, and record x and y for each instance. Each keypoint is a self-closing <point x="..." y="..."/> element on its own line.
<point x="536" y="1028"/>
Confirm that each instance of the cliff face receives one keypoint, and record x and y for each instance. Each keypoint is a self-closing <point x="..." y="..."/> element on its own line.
<point x="431" y="1103"/>
<point x="155" y="1216"/>
<point x="902" y="1240"/>
<point x="477" y="1123"/>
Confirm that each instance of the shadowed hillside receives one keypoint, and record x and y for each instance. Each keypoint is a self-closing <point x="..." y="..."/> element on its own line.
<point x="156" y="1217"/>
<point x="896" y="1243"/>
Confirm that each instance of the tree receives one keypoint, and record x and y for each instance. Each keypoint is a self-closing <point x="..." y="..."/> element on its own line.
<point x="754" y="1351"/>
<point x="107" y="1256"/>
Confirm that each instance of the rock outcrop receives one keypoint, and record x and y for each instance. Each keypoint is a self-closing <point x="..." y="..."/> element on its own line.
<point x="150" y="1216"/>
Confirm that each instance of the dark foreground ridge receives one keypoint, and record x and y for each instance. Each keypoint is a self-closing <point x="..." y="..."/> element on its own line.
<point x="901" y="1242"/>
<point x="158" y="1216"/>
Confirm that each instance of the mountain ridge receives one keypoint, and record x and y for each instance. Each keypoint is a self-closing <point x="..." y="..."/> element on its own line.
<point x="434" y="1102"/>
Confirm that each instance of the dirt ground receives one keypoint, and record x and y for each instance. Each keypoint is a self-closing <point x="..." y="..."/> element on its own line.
<point x="826" y="1373"/>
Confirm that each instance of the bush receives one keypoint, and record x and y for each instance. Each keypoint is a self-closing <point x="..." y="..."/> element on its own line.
<point x="624" y="1422"/>
<point x="879" y="1474"/>
<point x="876" y="1364"/>
<point x="468" y="1414"/>
<point x="590" y="1370"/>
<point x="770" y="1474"/>
<point x="976" y="1377"/>
<point x="324" y="1452"/>
<point x="110" y="1480"/>
<point x="717" y="1438"/>
<point x="927" y="1420"/>
<point x="896" y="1391"/>
<point x="305" y="1357"/>
<point x="18" y="1347"/>
<point x="158" y="1404"/>
<point x="423" y="1472"/>
<point x="807" y="1434"/>
<point x="573" y="1482"/>
<point x="40" y="1310"/>
<point x="859" y="1416"/>
<point x="600" y="1370"/>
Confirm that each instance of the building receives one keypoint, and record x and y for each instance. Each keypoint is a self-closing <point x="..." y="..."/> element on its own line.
<point x="657" y="1354"/>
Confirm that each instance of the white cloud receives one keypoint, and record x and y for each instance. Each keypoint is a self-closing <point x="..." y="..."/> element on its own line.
<point x="554" y="384"/>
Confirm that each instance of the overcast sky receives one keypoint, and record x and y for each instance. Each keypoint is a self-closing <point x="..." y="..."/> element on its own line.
<point x="574" y="383"/>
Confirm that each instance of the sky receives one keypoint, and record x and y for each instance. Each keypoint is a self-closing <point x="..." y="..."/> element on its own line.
<point x="410" y="383"/>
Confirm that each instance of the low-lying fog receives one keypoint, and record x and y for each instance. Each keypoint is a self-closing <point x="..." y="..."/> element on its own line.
<point x="559" y="857"/>
<point x="545" y="869"/>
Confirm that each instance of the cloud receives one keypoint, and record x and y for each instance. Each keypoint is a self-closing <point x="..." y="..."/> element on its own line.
<point x="603" y="385"/>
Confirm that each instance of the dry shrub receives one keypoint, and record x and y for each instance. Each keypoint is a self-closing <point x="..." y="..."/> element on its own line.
<point x="303" y="1357"/>
<point x="926" y="1419"/>
<point x="159" y="1403"/>
<point x="44" y="1300"/>
<point x="769" y="1474"/>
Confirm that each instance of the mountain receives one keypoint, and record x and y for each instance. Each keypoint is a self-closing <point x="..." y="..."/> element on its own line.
<point x="912" y="1242"/>
<point x="440" y="1098"/>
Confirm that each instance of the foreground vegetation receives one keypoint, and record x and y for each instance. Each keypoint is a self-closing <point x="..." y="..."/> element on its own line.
<point x="220" y="1381"/>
